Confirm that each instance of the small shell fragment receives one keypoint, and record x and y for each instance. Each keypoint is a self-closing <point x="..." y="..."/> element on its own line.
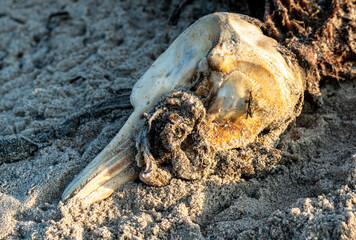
<point x="218" y="86"/>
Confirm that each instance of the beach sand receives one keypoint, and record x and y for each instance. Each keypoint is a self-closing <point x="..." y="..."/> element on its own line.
<point x="66" y="72"/>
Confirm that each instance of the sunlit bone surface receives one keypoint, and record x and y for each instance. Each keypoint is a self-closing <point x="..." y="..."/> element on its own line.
<point x="218" y="86"/>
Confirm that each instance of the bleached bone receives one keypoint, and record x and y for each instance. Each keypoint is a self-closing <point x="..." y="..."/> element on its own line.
<point x="227" y="59"/>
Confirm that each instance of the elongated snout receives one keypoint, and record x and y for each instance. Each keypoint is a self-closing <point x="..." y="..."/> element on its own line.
<point x="113" y="167"/>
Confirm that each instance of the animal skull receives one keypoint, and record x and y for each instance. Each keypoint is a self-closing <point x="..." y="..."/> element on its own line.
<point x="234" y="81"/>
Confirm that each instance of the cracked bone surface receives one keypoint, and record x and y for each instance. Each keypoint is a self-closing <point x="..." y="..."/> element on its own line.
<point x="242" y="81"/>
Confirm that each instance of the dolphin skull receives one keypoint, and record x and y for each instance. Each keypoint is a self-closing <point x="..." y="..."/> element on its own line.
<point x="219" y="85"/>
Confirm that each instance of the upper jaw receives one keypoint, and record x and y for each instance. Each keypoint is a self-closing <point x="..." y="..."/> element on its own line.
<point x="113" y="167"/>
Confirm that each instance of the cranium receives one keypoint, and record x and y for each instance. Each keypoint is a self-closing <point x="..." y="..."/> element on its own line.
<point x="223" y="66"/>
